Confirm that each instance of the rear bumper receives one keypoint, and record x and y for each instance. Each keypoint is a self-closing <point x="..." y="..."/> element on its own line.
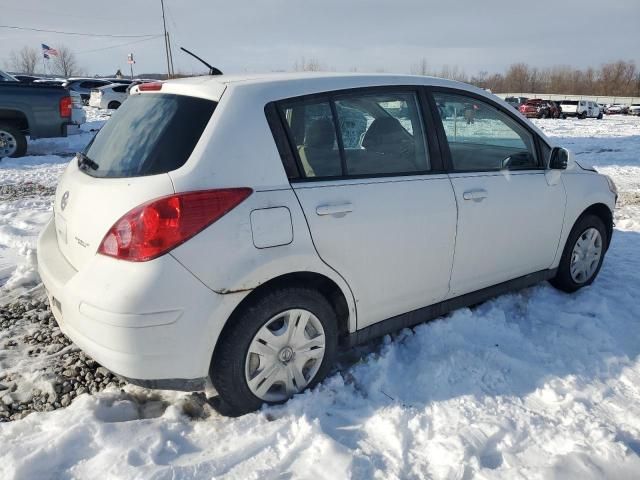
<point x="149" y="321"/>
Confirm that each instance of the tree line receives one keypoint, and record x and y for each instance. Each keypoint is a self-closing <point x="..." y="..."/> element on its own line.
<point x="620" y="78"/>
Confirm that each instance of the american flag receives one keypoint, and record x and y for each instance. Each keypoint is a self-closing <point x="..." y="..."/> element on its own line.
<point x="47" y="51"/>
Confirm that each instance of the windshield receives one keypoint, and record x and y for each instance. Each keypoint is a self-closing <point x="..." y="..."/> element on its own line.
<point x="148" y="135"/>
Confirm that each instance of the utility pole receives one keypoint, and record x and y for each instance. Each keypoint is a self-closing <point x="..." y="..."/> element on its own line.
<point x="167" y="45"/>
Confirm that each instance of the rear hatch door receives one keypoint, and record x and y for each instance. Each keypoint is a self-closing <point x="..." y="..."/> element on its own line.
<point x="125" y="165"/>
<point x="569" y="107"/>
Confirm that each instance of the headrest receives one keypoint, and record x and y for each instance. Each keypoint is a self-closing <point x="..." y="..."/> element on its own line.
<point x="384" y="131"/>
<point x="320" y="134"/>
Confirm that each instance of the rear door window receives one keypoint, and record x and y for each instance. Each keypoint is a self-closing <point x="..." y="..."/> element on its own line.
<point x="148" y="135"/>
<point x="360" y="134"/>
<point x="382" y="133"/>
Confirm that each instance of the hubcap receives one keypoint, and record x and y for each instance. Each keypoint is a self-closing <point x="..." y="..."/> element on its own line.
<point x="8" y="144"/>
<point x="285" y="355"/>
<point x="585" y="256"/>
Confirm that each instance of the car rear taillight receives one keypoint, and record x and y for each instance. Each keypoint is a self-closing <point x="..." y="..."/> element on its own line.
<point x="66" y="104"/>
<point x="150" y="86"/>
<point x="152" y="229"/>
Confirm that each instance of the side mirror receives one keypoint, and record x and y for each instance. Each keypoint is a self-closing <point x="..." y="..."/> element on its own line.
<point x="559" y="158"/>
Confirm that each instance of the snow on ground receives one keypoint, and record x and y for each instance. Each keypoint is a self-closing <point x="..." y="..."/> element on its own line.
<point x="534" y="384"/>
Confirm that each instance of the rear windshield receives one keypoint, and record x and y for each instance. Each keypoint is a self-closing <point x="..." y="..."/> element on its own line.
<point x="569" y="102"/>
<point x="149" y="134"/>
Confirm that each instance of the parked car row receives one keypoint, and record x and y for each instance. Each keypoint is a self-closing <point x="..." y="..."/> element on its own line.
<point x="115" y="89"/>
<point x="540" y="108"/>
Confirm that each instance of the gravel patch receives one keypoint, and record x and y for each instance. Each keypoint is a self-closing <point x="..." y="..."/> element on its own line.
<point x="15" y="191"/>
<point x="52" y="371"/>
<point x="42" y="370"/>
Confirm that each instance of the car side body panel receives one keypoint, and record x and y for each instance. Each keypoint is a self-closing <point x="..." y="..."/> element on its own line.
<point x="235" y="265"/>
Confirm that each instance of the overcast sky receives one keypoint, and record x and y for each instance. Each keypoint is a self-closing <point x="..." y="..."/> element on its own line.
<point x="242" y="35"/>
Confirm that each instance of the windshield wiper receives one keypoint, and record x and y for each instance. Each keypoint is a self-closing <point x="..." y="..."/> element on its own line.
<point x="84" y="161"/>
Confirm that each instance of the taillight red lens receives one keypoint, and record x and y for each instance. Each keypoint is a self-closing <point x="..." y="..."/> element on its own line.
<point x="150" y="86"/>
<point x="65" y="106"/>
<point x="152" y="229"/>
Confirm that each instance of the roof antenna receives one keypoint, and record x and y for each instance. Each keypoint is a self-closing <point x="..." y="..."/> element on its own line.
<point x="212" y="70"/>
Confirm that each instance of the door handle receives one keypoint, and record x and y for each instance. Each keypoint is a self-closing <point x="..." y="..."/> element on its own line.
<point x="476" y="195"/>
<point x="342" y="208"/>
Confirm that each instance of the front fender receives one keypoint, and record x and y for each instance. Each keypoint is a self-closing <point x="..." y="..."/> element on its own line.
<point x="584" y="189"/>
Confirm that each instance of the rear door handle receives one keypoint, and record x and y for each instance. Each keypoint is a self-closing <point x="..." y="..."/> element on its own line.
<point x="476" y="195"/>
<point x="342" y="208"/>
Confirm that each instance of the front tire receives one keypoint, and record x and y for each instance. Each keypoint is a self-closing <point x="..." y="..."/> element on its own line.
<point x="279" y="344"/>
<point x="583" y="254"/>
<point x="113" y="105"/>
<point x="13" y="142"/>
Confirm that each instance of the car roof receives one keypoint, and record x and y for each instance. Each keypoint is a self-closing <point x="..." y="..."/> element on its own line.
<point x="84" y="79"/>
<point x="274" y="86"/>
<point x="282" y="77"/>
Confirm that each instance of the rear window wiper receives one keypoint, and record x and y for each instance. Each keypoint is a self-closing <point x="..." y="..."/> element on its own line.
<point x="84" y="161"/>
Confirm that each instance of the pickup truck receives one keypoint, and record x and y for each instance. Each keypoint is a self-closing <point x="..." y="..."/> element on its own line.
<point x="36" y="110"/>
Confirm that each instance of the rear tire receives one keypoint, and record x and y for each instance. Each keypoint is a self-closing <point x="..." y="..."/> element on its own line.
<point x="13" y="143"/>
<point x="566" y="278"/>
<point x="582" y="116"/>
<point x="113" y="105"/>
<point x="245" y="353"/>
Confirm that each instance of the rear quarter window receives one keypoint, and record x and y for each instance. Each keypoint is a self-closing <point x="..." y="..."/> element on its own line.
<point x="149" y="134"/>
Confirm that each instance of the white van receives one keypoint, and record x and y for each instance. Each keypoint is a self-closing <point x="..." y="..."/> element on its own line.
<point x="244" y="229"/>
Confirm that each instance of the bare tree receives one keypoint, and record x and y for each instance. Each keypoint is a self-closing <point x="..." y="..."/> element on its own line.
<point x="421" y="68"/>
<point x="65" y="63"/>
<point x="310" y="65"/>
<point x="24" y="60"/>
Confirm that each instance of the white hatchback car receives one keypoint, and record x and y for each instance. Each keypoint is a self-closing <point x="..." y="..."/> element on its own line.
<point x="243" y="229"/>
<point x="110" y="96"/>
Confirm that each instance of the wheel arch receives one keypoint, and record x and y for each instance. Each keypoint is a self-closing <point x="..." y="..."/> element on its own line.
<point x="15" y="118"/>
<point x="317" y="281"/>
<point x="605" y="214"/>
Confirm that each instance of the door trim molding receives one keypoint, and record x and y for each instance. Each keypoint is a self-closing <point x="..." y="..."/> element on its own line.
<point x="431" y="312"/>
